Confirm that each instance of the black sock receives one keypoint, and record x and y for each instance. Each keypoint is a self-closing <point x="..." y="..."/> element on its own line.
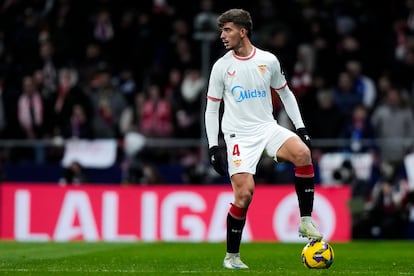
<point x="305" y="191"/>
<point x="234" y="233"/>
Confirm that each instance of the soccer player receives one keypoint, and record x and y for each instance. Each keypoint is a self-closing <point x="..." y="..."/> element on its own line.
<point x="244" y="79"/>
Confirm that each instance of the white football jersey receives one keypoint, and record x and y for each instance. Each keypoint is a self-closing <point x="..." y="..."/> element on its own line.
<point x="244" y="83"/>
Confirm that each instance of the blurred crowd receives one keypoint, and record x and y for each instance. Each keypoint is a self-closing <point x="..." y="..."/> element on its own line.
<point x="102" y="69"/>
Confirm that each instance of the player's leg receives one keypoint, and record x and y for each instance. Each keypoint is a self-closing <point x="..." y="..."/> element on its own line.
<point x="243" y="187"/>
<point x="295" y="151"/>
<point x="243" y="155"/>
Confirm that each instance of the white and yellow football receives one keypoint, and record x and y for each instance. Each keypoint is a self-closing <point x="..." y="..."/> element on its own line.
<point x="317" y="254"/>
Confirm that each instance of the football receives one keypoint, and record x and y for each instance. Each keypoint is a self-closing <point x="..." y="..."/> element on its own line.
<point x="317" y="254"/>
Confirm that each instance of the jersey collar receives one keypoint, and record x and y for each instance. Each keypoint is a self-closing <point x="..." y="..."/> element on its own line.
<point x="253" y="52"/>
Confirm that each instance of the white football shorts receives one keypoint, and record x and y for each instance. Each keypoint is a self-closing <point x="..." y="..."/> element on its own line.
<point x="244" y="150"/>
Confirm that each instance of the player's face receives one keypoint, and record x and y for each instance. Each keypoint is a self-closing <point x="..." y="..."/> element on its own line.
<point x="231" y="36"/>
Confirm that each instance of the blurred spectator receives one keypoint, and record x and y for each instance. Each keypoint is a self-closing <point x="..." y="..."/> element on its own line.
<point x="74" y="175"/>
<point x="404" y="68"/>
<point x="346" y="174"/>
<point x="136" y="169"/>
<point x="346" y="97"/>
<point x="182" y="55"/>
<point x="400" y="38"/>
<point x="124" y="81"/>
<point x="103" y="30"/>
<point x="172" y="89"/>
<point x="70" y="107"/>
<point x="142" y="174"/>
<point x="173" y="95"/>
<point x="79" y="126"/>
<point x="318" y="31"/>
<point x="277" y="38"/>
<point x="192" y="86"/>
<point x="205" y="21"/>
<point x="30" y="113"/>
<point x="387" y="207"/>
<point x="180" y="30"/>
<point x="131" y="116"/>
<point x="348" y="43"/>
<point x="309" y="100"/>
<point x="108" y="104"/>
<point x="270" y="173"/>
<point x="31" y="110"/>
<point x="39" y="81"/>
<point x="360" y="192"/>
<point x="49" y="68"/>
<point x="184" y="52"/>
<point x="384" y="83"/>
<point x="393" y="121"/>
<point x="156" y="115"/>
<point x="363" y="84"/>
<point x="188" y="116"/>
<point x="358" y="130"/>
<point x="90" y="64"/>
<point x="303" y="70"/>
<point x="325" y="121"/>
<point x="193" y="171"/>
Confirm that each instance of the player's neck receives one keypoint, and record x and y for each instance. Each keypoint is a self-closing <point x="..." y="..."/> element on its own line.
<point x="244" y="50"/>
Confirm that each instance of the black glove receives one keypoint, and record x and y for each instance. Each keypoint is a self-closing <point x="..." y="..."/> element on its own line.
<point x="303" y="134"/>
<point x="217" y="160"/>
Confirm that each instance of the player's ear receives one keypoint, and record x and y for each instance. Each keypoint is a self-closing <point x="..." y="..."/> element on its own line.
<point x="243" y="32"/>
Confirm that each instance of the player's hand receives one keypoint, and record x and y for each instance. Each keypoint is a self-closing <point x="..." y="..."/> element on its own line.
<point x="217" y="160"/>
<point x="303" y="134"/>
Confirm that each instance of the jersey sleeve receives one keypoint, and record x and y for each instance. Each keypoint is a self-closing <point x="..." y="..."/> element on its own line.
<point x="291" y="106"/>
<point x="214" y="96"/>
<point x="216" y="84"/>
<point x="279" y="84"/>
<point x="278" y="80"/>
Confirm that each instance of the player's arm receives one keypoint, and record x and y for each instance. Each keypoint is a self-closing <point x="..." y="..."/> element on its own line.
<point x="212" y="129"/>
<point x="279" y="84"/>
<point x="291" y="106"/>
<point x="289" y="101"/>
<point x="214" y="98"/>
<point x="212" y="120"/>
<point x="292" y="109"/>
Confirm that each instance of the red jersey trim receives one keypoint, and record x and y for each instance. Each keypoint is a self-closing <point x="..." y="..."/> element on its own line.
<point x="279" y="88"/>
<point x="253" y="53"/>
<point x="213" y="99"/>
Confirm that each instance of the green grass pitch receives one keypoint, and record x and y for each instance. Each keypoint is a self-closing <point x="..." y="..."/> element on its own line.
<point x="164" y="258"/>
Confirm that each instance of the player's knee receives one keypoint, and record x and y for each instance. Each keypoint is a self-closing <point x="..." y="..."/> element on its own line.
<point x="243" y="186"/>
<point x="302" y="156"/>
<point x="244" y="197"/>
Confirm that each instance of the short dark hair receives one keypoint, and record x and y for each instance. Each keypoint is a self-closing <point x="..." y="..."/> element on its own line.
<point x="239" y="17"/>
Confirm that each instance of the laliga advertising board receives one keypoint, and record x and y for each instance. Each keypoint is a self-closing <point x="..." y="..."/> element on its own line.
<point x="37" y="212"/>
